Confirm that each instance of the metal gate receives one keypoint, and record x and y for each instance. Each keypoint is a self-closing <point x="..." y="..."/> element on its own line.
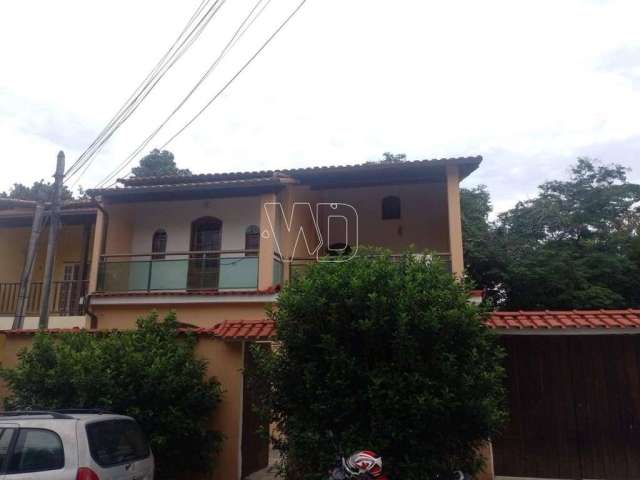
<point x="574" y="407"/>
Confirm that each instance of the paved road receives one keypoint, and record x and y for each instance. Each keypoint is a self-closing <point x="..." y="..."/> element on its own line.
<point x="266" y="474"/>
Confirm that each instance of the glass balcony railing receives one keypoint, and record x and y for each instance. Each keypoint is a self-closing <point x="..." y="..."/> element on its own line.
<point x="223" y="270"/>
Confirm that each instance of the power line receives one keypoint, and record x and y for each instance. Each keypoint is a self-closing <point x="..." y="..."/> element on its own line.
<point x="213" y="99"/>
<point x="246" y="23"/>
<point x="140" y="87"/>
<point x="175" y="52"/>
<point x="242" y="69"/>
<point x="184" y="41"/>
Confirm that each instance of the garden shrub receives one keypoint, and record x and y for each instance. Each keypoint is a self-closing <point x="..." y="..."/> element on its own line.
<point x="381" y="353"/>
<point x="150" y="373"/>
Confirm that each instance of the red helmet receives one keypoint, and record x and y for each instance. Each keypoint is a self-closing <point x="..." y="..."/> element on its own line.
<point x="364" y="462"/>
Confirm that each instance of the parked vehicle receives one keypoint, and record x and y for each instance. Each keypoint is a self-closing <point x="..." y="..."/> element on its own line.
<point x="68" y="445"/>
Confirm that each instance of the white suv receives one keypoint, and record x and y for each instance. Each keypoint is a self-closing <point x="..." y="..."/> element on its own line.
<point x="72" y="445"/>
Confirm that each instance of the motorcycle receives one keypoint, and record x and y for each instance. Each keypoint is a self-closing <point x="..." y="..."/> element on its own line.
<point x="366" y="465"/>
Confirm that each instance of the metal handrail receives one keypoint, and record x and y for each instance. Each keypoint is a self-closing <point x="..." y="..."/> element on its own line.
<point x="66" y="296"/>
<point x="393" y="255"/>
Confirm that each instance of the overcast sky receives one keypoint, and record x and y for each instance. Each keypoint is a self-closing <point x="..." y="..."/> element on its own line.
<point x="529" y="85"/>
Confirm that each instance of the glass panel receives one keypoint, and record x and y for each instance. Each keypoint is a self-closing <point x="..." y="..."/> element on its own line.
<point x="239" y="272"/>
<point x="169" y="274"/>
<point x="181" y="274"/>
<point x="124" y="276"/>
<point x="36" y="451"/>
<point x="116" y="441"/>
<point x="6" y="434"/>
<point x="139" y="275"/>
<point x="204" y="272"/>
<point x="277" y="271"/>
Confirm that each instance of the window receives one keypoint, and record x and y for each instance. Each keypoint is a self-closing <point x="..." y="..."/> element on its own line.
<point x="159" y="245"/>
<point x="252" y="240"/>
<point x="6" y="434"/>
<point x="204" y="267"/>
<point x="390" y="208"/>
<point x="36" y="451"/>
<point x="116" y="441"/>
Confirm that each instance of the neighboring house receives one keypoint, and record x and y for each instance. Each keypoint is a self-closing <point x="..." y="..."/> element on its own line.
<point x="216" y="249"/>
<point x="71" y="266"/>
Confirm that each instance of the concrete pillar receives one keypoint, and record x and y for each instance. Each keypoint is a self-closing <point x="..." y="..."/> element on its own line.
<point x="267" y="244"/>
<point x="455" y="220"/>
<point x="487" y="472"/>
<point x="96" y="251"/>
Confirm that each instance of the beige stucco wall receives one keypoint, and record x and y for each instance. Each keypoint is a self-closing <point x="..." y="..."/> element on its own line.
<point x="293" y="218"/>
<point x="13" y="249"/>
<point x="224" y="361"/>
<point x="131" y="226"/>
<point x="423" y="223"/>
<point x="55" y="321"/>
<point x="204" y="315"/>
<point x="119" y="228"/>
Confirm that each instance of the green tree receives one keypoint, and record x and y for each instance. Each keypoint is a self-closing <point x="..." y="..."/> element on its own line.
<point x="157" y="164"/>
<point x="382" y="354"/>
<point x="388" y="157"/>
<point x="39" y="191"/>
<point x="574" y="245"/>
<point x="150" y="374"/>
<point x="483" y="262"/>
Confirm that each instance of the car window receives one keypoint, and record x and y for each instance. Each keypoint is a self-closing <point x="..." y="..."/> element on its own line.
<point x="36" y="451"/>
<point x="116" y="441"/>
<point x="6" y="434"/>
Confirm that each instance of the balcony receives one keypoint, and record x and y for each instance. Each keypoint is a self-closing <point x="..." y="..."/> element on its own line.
<point x="180" y="271"/>
<point x="65" y="300"/>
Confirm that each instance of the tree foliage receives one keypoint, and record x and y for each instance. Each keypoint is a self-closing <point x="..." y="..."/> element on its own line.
<point x="39" y="191"/>
<point x="381" y="354"/>
<point x="575" y="245"/>
<point x="150" y="374"/>
<point x="157" y="164"/>
<point x="388" y="157"/>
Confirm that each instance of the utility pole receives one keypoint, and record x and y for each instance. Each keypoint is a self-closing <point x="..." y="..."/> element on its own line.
<point x="54" y="226"/>
<point x="27" y="271"/>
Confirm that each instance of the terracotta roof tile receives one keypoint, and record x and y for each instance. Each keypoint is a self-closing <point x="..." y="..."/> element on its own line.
<point x="238" y="330"/>
<point x="563" y="320"/>
<point x="229" y="330"/>
<point x="263" y="330"/>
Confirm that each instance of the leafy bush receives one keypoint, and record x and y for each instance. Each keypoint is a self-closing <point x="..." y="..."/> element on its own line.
<point x="150" y="374"/>
<point x="384" y="354"/>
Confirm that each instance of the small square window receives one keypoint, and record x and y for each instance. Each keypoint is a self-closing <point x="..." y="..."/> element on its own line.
<point x="391" y="208"/>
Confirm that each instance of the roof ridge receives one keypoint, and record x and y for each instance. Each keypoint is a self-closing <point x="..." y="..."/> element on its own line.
<point x="299" y="170"/>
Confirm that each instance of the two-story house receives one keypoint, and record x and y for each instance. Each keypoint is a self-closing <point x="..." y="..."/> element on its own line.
<point x="216" y="248"/>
